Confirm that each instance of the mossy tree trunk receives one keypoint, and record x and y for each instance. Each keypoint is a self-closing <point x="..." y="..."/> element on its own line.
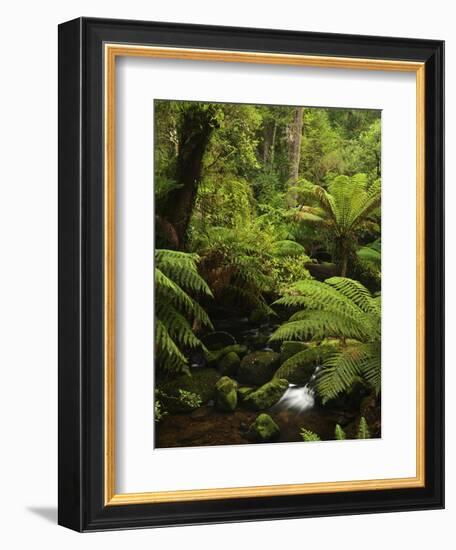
<point x="195" y="129"/>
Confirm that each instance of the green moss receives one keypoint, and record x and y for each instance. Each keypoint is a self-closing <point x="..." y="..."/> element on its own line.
<point x="229" y="364"/>
<point x="268" y="395"/>
<point x="258" y="367"/>
<point x="200" y="381"/>
<point x="263" y="429"/>
<point x="289" y="348"/>
<point x="226" y="394"/>
<point x="214" y="356"/>
<point x="244" y="391"/>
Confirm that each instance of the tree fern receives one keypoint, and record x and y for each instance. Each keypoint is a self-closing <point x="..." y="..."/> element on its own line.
<point x="176" y="278"/>
<point x="342" y="210"/>
<point x="338" y="308"/>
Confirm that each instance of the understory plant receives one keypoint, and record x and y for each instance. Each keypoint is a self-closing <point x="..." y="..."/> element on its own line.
<point x="177" y="312"/>
<point x="344" y="311"/>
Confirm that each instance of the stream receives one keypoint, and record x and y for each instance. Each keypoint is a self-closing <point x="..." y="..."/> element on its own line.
<point x="297" y="408"/>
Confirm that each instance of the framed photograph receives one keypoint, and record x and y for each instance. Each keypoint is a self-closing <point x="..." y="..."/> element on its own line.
<point x="250" y="274"/>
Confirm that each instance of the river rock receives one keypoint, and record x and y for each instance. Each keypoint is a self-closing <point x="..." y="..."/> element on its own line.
<point x="229" y="364"/>
<point x="263" y="429"/>
<point x="244" y="391"/>
<point x="290" y="348"/>
<point x="268" y="395"/>
<point x="201" y="382"/>
<point x="214" y="356"/>
<point x="226" y="394"/>
<point x="218" y="340"/>
<point x="258" y="367"/>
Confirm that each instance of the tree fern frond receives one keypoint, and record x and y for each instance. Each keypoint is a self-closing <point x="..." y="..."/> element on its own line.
<point x="176" y="309"/>
<point x="288" y="248"/>
<point x="296" y="362"/>
<point x="339" y="371"/>
<point x="355" y="292"/>
<point x="320" y="325"/>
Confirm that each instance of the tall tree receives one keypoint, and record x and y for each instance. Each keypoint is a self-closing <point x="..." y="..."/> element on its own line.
<point x="295" y="136"/>
<point x="196" y="124"/>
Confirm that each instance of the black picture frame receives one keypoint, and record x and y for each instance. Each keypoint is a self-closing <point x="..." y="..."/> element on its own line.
<point x="81" y="401"/>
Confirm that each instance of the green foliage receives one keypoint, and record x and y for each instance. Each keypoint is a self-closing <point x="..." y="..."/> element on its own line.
<point x="342" y="211"/>
<point x="339" y="433"/>
<point x="176" y="278"/>
<point x="190" y="399"/>
<point x="370" y="254"/>
<point x="363" y="429"/>
<point x="308" y="435"/>
<point x="288" y="248"/>
<point x="159" y="411"/>
<point x="338" y="308"/>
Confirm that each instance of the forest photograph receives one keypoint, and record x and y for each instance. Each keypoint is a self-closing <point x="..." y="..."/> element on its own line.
<point x="267" y="274"/>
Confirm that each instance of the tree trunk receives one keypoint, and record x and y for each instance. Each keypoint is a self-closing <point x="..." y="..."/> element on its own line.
<point x="295" y="136"/>
<point x="344" y="264"/>
<point x="194" y="133"/>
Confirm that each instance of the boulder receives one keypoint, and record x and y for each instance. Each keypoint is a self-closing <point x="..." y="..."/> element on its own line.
<point x="263" y="429"/>
<point x="229" y="364"/>
<point x="214" y="356"/>
<point x="200" y="381"/>
<point x="290" y="348"/>
<point x="265" y="397"/>
<point x="226" y="394"/>
<point x="218" y="340"/>
<point x="244" y="391"/>
<point x="258" y="367"/>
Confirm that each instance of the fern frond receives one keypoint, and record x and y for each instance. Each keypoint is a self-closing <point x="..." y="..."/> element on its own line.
<point x="339" y="372"/>
<point x="291" y="366"/>
<point x="308" y="435"/>
<point x="363" y="429"/>
<point x="339" y="433"/>
<point x="288" y="248"/>
<point x="317" y="325"/>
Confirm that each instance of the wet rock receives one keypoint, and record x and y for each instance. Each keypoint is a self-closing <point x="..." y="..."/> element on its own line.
<point x="226" y="394"/>
<point x="268" y="395"/>
<point x="244" y="391"/>
<point x="218" y="340"/>
<point x="290" y="348"/>
<point x="200" y="381"/>
<point x="258" y="367"/>
<point x="263" y="429"/>
<point x="229" y="364"/>
<point x="214" y="356"/>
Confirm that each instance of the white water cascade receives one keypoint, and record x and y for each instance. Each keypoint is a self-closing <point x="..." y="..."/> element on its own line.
<point x="296" y="399"/>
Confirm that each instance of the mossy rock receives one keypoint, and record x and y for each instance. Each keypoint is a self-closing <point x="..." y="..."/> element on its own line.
<point x="244" y="391"/>
<point x="258" y="367"/>
<point x="290" y="348"/>
<point x="200" y="381"/>
<point x="218" y="340"/>
<point x="229" y="364"/>
<point x="226" y="394"/>
<point x="214" y="356"/>
<point x="263" y="429"/>
<point x="265" y="397"/>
